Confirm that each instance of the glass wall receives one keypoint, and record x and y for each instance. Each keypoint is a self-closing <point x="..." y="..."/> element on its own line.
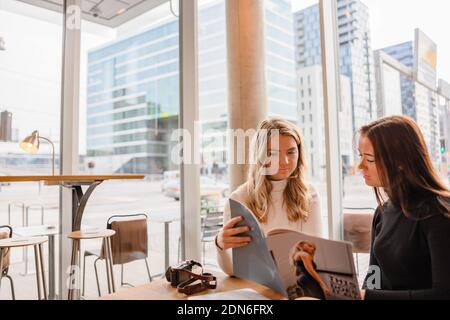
<point x="379" y="76"/>
<point x="130" y="106"/>
<point x="129" y="109"/>
<point x="310" y="102"/>
<point x="30" y="99"/>
<point x="213" y="91"/>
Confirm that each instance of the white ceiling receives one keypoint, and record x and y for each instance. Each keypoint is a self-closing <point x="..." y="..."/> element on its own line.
<point x="111" y="13"/>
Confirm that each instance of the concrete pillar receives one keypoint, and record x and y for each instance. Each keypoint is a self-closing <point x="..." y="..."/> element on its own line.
<point x="246" y="73"/>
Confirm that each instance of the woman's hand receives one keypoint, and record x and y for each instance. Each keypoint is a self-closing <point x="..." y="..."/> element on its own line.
<point x="227" y="237"/>
<point x="363" y="294"/>
<point x="326" y="291"/>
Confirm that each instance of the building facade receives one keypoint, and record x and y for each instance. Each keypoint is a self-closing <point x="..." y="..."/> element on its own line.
<point x="311" y="117"/>
<point x="444" y="125"/>
<point x="420" y="98"/>
<point x="355" y="51"/>
<point x="133" y="90"/>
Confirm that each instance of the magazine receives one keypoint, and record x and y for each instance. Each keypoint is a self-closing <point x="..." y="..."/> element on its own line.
<point x="295" y="264"/>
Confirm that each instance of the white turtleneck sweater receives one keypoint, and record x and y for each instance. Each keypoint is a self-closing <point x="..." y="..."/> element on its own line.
<point x="277" y="218"/>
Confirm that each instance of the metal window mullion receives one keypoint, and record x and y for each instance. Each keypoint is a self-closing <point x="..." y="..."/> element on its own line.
<point x="70" y="93"/>
<point x="332" y="106"/>
<point x="189" y="116"/>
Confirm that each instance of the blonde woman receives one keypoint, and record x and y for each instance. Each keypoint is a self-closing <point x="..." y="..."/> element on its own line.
<point x="275" y="192"/>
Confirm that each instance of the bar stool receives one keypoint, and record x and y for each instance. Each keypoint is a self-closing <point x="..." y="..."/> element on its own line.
<point x="77" y="236"/>
<point x="26" y="222"/>
<point x="37" y="243"/>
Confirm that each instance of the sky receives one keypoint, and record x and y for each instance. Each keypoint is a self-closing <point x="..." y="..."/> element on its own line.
<point x="394" y="21"/>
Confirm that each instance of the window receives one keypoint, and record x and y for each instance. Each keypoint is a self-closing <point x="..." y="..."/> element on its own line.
<point x="213" y="106"/>
<point x="129" y="109"/>
<point x="30" y="99"/>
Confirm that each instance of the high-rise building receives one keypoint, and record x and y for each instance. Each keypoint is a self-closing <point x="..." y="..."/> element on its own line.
<point x="444" y="127"/>
<point x="133" y="89"/>
<point x="311" y="117"/>
<point x="6" y="126"/>
<point x="419" y="86"/>
<point x="355" y="51"/>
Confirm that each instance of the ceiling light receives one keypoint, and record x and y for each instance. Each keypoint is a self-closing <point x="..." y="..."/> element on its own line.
<point x="96" y="11"/>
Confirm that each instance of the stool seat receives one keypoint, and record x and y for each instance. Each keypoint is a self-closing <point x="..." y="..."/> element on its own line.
<point x="22" y="242"/>
<point x="76" y="237"/>
<point x="93" y="234"/>
<point x="36" y="242"/>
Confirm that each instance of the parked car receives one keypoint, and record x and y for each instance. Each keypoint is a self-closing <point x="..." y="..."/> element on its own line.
<point x="208" y="187"/>
<point x="169" y="176"/>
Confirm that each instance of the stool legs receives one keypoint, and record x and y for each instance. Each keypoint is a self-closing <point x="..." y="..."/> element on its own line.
<point x="40" y="272"/>
<point x="77" y="236"/>
<point x="96" y="277"/>
<point x="108" y="277"/>
<point x="74" y="289"/>
<point x="44" y="283"/>
<point x="84" y="274"/>
<point x="11" y="282"/>
<point x="109" y="265"/>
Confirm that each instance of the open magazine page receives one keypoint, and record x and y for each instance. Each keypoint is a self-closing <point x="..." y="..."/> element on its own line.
<point x="294" y="264"/>
<point x="314" y="267"/>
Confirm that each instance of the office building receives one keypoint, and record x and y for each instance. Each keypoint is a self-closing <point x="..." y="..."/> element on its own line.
<point x="133" y="89"/>
<point x="311" y="118"/>
<point x="355" y="51"/>
<point x="6" y="126"/>
<point x="419" y="86"/>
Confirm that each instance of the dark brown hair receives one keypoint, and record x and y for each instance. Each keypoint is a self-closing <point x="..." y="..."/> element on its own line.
<point x="405" y="168"/>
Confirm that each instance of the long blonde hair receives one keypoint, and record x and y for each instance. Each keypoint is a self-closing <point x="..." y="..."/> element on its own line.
<point x="296" y="196"/>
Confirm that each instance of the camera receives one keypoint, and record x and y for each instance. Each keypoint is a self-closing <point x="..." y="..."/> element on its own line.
<point x="183" y="277"/>
<point x="181" y="273"/>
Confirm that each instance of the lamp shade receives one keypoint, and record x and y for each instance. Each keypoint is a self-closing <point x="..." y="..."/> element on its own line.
<point x="31" y="143"/>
